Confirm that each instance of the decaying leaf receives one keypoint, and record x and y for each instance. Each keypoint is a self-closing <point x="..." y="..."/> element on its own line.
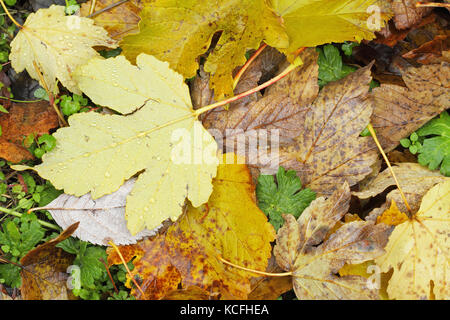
<point x="58" y="44"/>
<point x="415" y="180"/>
<point x="101" y="220"/>
<point x="315" y="265"/>
<point x="431" y="51"/>
<point x="282" y="106"/>
<point x="314" y="22"/>
<point x="399" y="111"/>
<point x="118" y="21"/>
<point x="22" y="120"/>
<point x="163" y="138"/>
<point x="407" y="14"/>
<point x="419" y="251"/>
<point x="328" y="149"/>
<point x="179" y="32"/>
<point x="44" y="276"/>
<point x="230" y="225"/>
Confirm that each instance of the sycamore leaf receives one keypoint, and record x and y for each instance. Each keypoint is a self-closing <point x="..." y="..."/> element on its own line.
<point x="44" y="274"/>
<point x="58" y="44"/>
<point x="163" y="139"/>
<point x="419" y="252"/>
<point x="399" y="111"/>
<point x="118" y="21"/>
<point x="314" y="22"/>
<point x="101" y="220"/>
<point x="414" y="180"/>
<point x="283" y="197"/>
<point x="229" y="225"/>
<point x="392" y="216"/>
<point x="179" y="32"/>
<point x="328" y="149"/>
<point x="315" y="262"/>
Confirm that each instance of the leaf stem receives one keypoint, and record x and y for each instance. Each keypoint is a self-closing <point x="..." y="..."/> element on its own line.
<point x="126" y="267"/>
<point x="20" y="101"/>
<point x="247" y="64"/>
<point x="41" y="222"/>
<point x="374" y="136"/>
<point x="286" y="71"/>
<point x="9" y="15"/>
<point x="432" y="4"/>
<point x="261" y="273"/>
<point x="111" y="6"/>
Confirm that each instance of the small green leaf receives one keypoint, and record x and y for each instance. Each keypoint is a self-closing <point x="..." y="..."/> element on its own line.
<point x="285" y="196"/>
<point x="406" y="143"/>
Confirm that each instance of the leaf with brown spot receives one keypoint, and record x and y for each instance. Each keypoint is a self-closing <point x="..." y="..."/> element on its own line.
<point x="415" y="180"/>
<point x="44" y="273"/>
<point x="229" y="225"/>
<point x="24" y="119"/>
<point x="399" y="111"/>
<point x="328" y="149"/>
<point x="118" y="21"/>
<point x="315" y="262"/>
<point x="282" y="106"/>
<point x="419" y="250"/>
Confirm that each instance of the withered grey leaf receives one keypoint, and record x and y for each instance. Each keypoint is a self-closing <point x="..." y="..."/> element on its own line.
<point x="101" y="220"/>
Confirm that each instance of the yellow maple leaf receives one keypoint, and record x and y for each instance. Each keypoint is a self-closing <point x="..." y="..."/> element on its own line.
<point x="179" y="32"/>
<point x="230" y="225"/>
<point x="392" y="216"/>
<point x="314" y="22"/>
<point x="58" y="44"/>
<point x="164" y="139"/>
<point x="418" y="250"/>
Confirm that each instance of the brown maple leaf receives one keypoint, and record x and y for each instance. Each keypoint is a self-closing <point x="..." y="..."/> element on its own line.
<point x="24" y="119"/>
<point x="399" y="111"/>
<point x="407" y="14"/>
<point x="315" y="262"/>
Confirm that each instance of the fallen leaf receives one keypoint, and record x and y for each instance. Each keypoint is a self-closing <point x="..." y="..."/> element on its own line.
<point x="310" y="23"/>
<point x="180" y="32"/>
<point x="44" y="273"/>
<point x="190" y="293"/>
<point x="59" y="49"/>
<point x="328" y="149"/>
<point x="315" y="263"/>
<point x="407" y="14"/>
<point x="158" y="138"/>
<point x="392" y="216"/>
<point x="101" y="220"/>
<point x="22" y="120"/>
<point x="399" y="111"/>
<point x="118" y="21"/>
<point x="415" y="180"/>
<point x="280" y="108"/>
<point x="430" y="51"/>
<point x="230" y="225"/>
<point x="418" y="250"/>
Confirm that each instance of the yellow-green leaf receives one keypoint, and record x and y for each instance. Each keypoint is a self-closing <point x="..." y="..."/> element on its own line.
<point x="58" y="44"/>
<point x="98" y="152"/>
<point x="180" y="31"/>
<point x="314" y="22"/>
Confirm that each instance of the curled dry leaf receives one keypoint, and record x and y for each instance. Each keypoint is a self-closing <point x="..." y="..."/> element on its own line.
<point x="431" y="51"/>
<point x="229" y="225"/>
<point x="101" y="220"/>
<point x="315" y="262"/>
<point x="118" y="21"/>
<point x="415" y="180"/>
<point x="58" y="44"/>
<point x="419" y="250"/>
<point x="44" y="273"/>
<point x="399" y="111"/>
<point x="22" y="120"/>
